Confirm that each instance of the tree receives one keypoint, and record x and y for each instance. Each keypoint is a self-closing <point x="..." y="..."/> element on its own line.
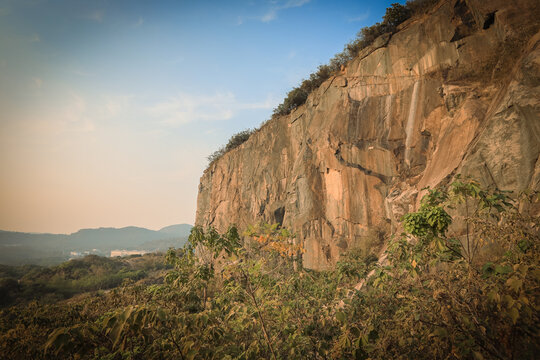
<point x="395" y="15"/>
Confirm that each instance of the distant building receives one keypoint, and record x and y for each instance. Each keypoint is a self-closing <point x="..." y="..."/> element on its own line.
<point x="74" y="255"/>
<point x="127" y="252"/>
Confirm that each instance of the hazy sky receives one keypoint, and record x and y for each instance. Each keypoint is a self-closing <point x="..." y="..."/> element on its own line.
<point x="108" y="109"/>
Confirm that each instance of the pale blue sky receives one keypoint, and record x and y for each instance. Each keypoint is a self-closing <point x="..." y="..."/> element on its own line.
<point x="109" y="108"/>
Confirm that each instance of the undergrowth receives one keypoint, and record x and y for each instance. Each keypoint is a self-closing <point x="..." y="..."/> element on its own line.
<point x="247" y="296"/>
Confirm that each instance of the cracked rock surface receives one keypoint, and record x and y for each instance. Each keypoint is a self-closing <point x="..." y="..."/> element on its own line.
<point x="450" y="92"/>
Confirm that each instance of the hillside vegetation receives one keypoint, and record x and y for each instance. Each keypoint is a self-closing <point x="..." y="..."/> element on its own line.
<point x="21" y="284"/>
<point x="246" y="296"/>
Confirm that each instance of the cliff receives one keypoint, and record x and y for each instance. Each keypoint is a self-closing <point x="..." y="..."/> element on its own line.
<point x="456" y="90"/>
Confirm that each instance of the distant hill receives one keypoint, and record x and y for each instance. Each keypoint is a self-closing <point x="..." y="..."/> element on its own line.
<point x="112" y="238"/>
<point x="18" y="248"/>
<point x="19" y="284"/>
<point x="177" y="230"/>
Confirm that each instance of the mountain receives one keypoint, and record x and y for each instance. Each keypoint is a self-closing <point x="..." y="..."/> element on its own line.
<point x="44" y="249"/>
<point x="108" y="238"/>
<point x="452" y="91"/>
<point x="177" y="230"/>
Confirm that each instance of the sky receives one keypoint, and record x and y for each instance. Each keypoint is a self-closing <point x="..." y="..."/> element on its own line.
<point x="108" y="109"/>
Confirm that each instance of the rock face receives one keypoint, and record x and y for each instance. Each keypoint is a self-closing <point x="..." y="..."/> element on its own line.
<point x="456" y="90"/>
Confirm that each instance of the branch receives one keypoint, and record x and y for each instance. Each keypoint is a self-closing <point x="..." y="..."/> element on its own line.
<point x="252" y="295"/>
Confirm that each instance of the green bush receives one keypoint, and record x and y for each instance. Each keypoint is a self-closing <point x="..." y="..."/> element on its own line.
<point x="295" y="98"/>
<point x="420" y="6"/>
<point x="355" y="264"/>
<point x="235" y="141"/>
<point x="395" y="15"/>
<point x="73" y="277"/>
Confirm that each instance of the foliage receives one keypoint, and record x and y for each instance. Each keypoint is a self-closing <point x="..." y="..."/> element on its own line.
<point x="234" y="141"/>
<point x="239" y="296"/>
<point x="355" y="264"/>
<point x="395" y="15"/>
<point x="91" y="273"/>
<point x="420" y="6"/>
<point x="449" y="303"/>
<point x="278" y="241"/>
<point x="294" y="99"/>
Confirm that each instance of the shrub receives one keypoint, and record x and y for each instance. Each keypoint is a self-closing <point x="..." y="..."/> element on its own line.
<point x="419" y="6"/>
<point x="235" y="141"/>
<point x="356" y="264"/>
<point x="436" y="298"/>
<point x="368" y="34"/>
<point x="339" y="60"/>
<point x="395" y="15"/>
<point x="316" y="79"/>
<point x="295" y="98"/>
<point x="215" y="155"/>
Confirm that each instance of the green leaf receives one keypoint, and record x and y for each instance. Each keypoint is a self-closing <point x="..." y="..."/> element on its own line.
<point x="514" y="315"/>
<point x="161" y="314"/>
<point x="488" y="269"/>
<point x="191" y="354"/>
<point x="439" y="332"/>
<point x="57" y="339"/>
<point x="477" y="355"/>
<point x="499" y="269"/>
<point x="341" y="317"/>
<point x="514" y="283"/>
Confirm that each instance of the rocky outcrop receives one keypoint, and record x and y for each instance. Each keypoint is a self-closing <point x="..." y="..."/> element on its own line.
<point x="456" y="90"/>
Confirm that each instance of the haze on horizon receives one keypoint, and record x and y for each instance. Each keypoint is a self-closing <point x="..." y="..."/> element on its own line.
<point x="110" y="108"/>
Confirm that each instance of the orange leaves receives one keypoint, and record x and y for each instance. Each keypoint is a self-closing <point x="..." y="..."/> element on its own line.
<point x="276" y="239"/>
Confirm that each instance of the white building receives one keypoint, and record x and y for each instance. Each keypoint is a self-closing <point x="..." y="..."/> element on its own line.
<point x="127" y="252"/>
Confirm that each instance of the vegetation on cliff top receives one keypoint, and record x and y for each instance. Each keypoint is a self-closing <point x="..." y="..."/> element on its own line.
<point x="235" y="141"/>
<point x="395" y="15"/>
<point x="231" y="296"/>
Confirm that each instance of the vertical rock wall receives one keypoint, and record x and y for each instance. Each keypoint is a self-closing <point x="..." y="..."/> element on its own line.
<point x="454" y="90"/>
